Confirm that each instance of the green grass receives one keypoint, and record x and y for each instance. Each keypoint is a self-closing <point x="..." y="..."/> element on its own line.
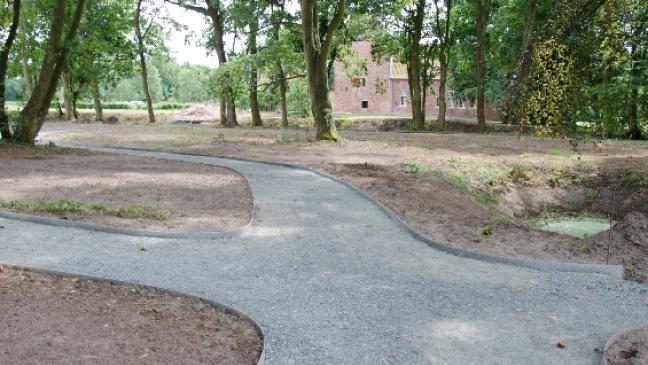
<point x="456" y="181"/>
<point x="136" y="211"/>
<point x="485" y="198"/>
<point x="419" y="172"/>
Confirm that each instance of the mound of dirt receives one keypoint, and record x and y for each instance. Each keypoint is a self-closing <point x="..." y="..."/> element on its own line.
<point x="199" y="112"/>
<point x="628" y="244"/>
<point x="629" y="348"/>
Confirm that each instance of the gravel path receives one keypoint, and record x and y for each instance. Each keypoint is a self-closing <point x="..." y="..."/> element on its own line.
<point x="332" y="279"/>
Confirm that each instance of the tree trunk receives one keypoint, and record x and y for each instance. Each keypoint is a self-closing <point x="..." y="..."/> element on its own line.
<point x="67" y="95"/>
<point x="75" y="100"/>
<point x="414" y="66"/>
<point x="29" y="86"/>
<point x="283" y="88"/>
<point x="316" y="49"/>
<point x="633" y="121"/>
<point x="223" y="110"/>
<point x="280" y="75"/>
<point x="34" y="113"/>
<point x="443" y="33"/>
<point x="5" y="130"/>
<point x="254" y="77"/>
<point x="213" y="11"/>
<point x="142" y="58"/>
<point x="443" y="76"/>
<point x="523" y="63"/>
<point x="482" y="9"/>
<point x="96" y="96"/>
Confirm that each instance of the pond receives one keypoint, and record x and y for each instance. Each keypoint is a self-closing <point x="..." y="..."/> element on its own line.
<point x="580" y="227"/>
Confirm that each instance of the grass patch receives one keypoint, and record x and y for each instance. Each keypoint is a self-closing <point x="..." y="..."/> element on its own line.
<point x="485" y="198"/>
<point x="456" y="181"/>
<point x="418" y="171"/>
<point x="136" y="211"/>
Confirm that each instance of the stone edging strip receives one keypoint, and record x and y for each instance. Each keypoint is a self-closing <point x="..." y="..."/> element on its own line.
<point x="124" y="231"/>
<point x="616" y="271"/>
<point x="221" y="307"/>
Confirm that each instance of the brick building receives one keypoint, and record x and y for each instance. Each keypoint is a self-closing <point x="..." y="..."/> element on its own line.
<point x="384" y="90"/>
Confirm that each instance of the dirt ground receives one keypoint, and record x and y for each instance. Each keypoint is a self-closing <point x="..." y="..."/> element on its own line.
<point x="631" y="348"/>
<point x="122" y="191"/>
<point x="476" y="192"/>
<point x="48" y="319"/>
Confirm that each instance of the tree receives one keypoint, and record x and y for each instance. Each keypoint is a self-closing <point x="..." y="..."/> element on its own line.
<point x="33" y="115"/>
<point x="104" y="53"/>
<point x="482" y="11"/>
<point x="142" y="32"/>
<point x="407" y="22"/>
<point x="5" y="131"/>
<point x="317" y="43"/>
<point x="214" y="10"/>
<point x="442" y="30"/>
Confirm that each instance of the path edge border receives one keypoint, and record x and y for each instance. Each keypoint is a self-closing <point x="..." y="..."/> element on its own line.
<point x="219" y="306"/>
<point x="615" y="271"/>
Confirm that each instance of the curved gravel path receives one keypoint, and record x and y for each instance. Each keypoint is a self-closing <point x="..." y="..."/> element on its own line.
<point x="332" y="279"/>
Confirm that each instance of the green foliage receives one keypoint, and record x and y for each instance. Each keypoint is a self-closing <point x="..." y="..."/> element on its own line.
<point x="418" y="171"/>
<point x="548" y="96"/>
<point x="456" y="181"/>
<point x="487" y="231"/>
<point x="136" y="211"/>
<point x="584" y="248"/>
<point x="297" y="99"/>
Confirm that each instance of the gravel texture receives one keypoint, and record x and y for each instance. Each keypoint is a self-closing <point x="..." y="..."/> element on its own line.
<point x="332" y="279"/>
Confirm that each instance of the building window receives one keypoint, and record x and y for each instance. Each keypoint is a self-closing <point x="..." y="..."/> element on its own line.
<point x="403" y="99"/>
<point x="451" y="99"/>
<point x="437" y="102"/>
<point x="461" y="103"/>
<point x="359" y="81"/>
<point x="365" y="104"/>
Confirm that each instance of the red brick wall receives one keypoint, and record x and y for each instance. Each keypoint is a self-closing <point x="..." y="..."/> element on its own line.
<point x="383" y="94"/>
<point x="347" y="99"/>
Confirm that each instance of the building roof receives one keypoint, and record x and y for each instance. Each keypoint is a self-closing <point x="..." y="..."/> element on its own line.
<point x="397" y="70"/>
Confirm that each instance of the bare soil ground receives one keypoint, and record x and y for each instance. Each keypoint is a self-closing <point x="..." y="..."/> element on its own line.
<point x="631" y="348"/>
<point x="122" y="191"/>
<point x="471" y="191"/>
<point x="48" y="319"/>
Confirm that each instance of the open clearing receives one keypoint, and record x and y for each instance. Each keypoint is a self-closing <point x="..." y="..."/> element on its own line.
<point x="475" y="192"/>
<point x="55" y="320"/>
<point x="122" y="191"/>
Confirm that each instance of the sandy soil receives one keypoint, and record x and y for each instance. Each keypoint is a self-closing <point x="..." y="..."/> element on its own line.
<point x="155" y="195"/>
<point x="631" y="348"/>
<point x="52" y="320"/>
<point x="467" y="184"/>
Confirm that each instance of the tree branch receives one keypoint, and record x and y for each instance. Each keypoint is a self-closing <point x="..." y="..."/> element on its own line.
<point x="333" y="26"/>
<point x="197" y="9"/>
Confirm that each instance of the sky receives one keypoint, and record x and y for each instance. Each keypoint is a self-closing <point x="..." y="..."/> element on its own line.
<point x="189" y="52"/>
